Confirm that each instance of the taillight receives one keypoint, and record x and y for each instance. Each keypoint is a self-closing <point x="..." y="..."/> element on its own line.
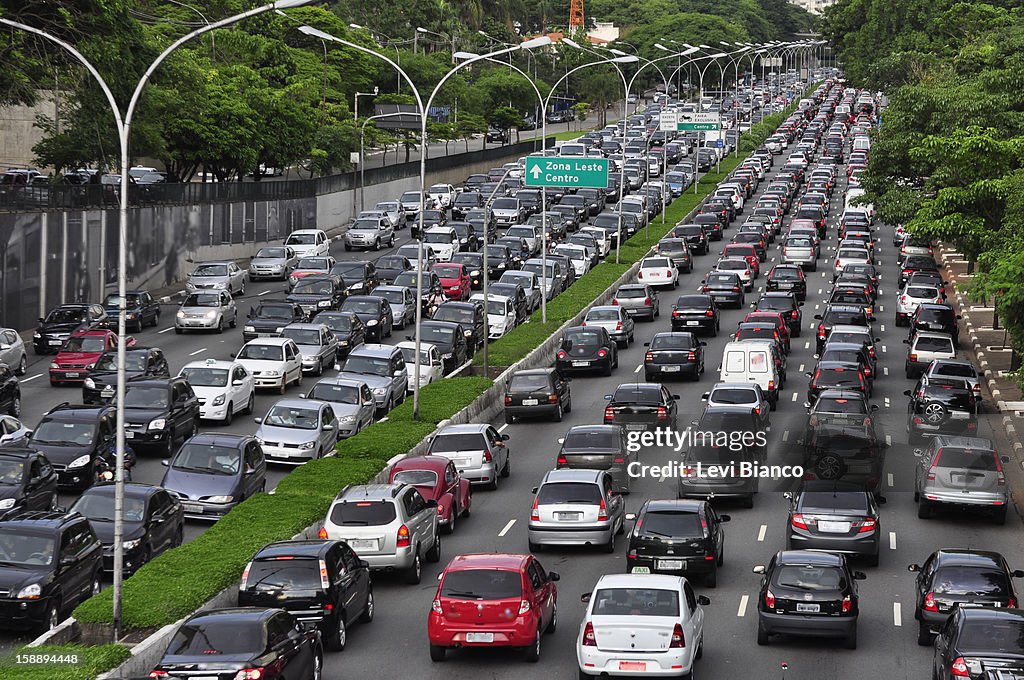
<point x="561" y="355"/>
<point x="769" y="599"/>
<point x="771" y="385"/>
<point x="524" y="607"/>
<point x="668" y="272"/>
<point x="706" y="289"/>
<point x="535" y="512"/>
<point x="245" y="574"/>
<point x="799" y="522"/>
<point x="325" y="581"/>
<point x="649" y="356"/>
<point x="691" y="356"/>
<point x="662" y="413"/>
<point x="678" y="640"/>
<point x="561" y="460"/>
<point x="958" y="669"/>
<point x="588" y="635"/>
<point x="647" y="301"/>
<point x="618" y="325"/>
<point x="602" y="511"/>
<point x="709" y="313"/>
<point x="794" y="314"/>
<point x="436" y="606"/>
<point x="913" y="356"/>
<point x="250" y="674"/>
<point x="615" y="302"/>
<point x="158" y="674"/>
<point x="403" y="540"/>
<point x="602" y="353"/>
<point x="677" y="314"/>
<point x="868" y="525"/>
<point x="847" y="604"/>
<point x="821" y="331"/>
<point x="640" y="274"/>
<point x="735" y="289"/>
<point x="508" y="400"/>
<point x="929" y="603"/>
<point x="1012" y="604"/>
<point x="322" y="533"/>
<point x="609" y="413"/>
<point x="488" y="458"/>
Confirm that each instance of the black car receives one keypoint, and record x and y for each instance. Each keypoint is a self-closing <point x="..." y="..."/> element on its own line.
<point x="347" y="328"/>
<point x="468" y="241"/>
<point x="786" y="304"/>
<point x="838" y="315"/>
<point x="835" y="517"/>
<point x="319" y="582"/>
<point x="852" y="353"/>
<point x="941" y="405"/>
<point x="358" y="277"/>
<point x="937" y="319"/>
<point x="500" y="259"/>
<point x="466" y="201"/>
<point x="952" y="577"/>
<point x="450" y="340"/>
<point x="977" y="638"/>
<point x="431" y="218"/>
<point x="830" y="374"/>
<point x="673" y="354"/>
<point x="641" y="406"/>
<point x="159" y="413"/>
<point x="49" y="563"/>
<point x="10" y="392"/>
<point x="472" y="318"/>
<point x="72" y="437"/>
<point x="916" y="263"/>
<point x="518" y="247"/>
<point x="27" y="481"/>
<point x="269" y="317"/>
<point x="537" y="392"/>
<point x="725" y="288"/>
<point x="516" y="293"/>
<point x="696" y="313"/>
<point x="677" y="250"/>
<point x="317" y="293"/>
<point x="154" y="521"/>
<point x="101" y="379"/>
<point x="585" y="349"/>
<point x="473" y="263"/>
<point x="695" y="237"/>
<point x="241" y="643"/>
<point x="375" y="313"/>
<point x="429" y="283"/>
<point x="808" y="593"/>
<point x="140" y="310"/>
<point x="789" y="278"/>
<point x="712" y="223"/>
<point x="61" y="322"/>
<point x="390" y="266"/>
<point x="677" y="537"/>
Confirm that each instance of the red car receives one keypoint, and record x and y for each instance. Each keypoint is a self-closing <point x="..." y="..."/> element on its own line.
<point x="493" y="600"/>
<point x="437" y="479"/>
<point x="747" y="252"/>
<point x="79" y="353"/>
<point x="774" y="318"/>
<point x="455" y="280"/>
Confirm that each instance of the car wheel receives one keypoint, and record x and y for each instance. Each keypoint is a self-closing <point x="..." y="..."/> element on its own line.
<point x="177" y="331"/>
<point x="434" y="554"/>
<point x="251" y="405"/>
<point x="762" y="635"/>
<point x="284" y="384"/>
<point x="509" y="418"/>
<point x="22" y="366"/>
<point x="450" y="527"/>
<point x="506" y="470"/>
<point x="700" y="651"/>
<point x="367" y="615"/>
<point x="437" y="653"/>
<point x="568" y="404"/>
<point x="51" y="619"/>
<point x="414" y="574"/>
<point x="533" y="651"/>
<point x="925" y="510"/>
<point x="319" y="367"/>
<point x="999" y="516"/>
<point x="229" y="413"/>
<point x="558" y="413"/>
<point x="338" y="636"/>
<point x="234" y="320"/>
<point x="610" y="545"/>
<point x="851" y="639"/>
<point x="220" y="325"/>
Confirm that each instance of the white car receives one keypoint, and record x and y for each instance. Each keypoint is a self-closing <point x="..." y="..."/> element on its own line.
<point x="442" y="241"/>
<point x="443" y="195"/>
<point x="912" y="297"/>
<point x="431" y="366"/>
<point x="411" y="251"/>
<point x="603" y="238"/>
<point x="393" y="211"/>
<point x="273" y="362"/>
<point x="849" y="255"/>
<point x="741" y="267"/>
<point x="648" y="625"/>
<point x="224" y="388"/>
<point x="501" y="314"/>
<point x="658" y="271"/>
<point x="579" y="256"/>
<point x="308" y="242"/>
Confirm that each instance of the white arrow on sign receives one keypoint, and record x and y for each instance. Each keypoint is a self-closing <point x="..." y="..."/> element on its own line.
<point x="536" y="172"/>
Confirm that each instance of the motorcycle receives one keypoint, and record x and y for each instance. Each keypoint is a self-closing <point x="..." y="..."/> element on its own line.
<point x="106" y="465"/>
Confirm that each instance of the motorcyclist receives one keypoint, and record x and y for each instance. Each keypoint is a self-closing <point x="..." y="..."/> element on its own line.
<point x="109" y="455"/>
<point x="435" y="300"/>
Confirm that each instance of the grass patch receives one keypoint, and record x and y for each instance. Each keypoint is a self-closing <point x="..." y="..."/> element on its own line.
<point x="82" y="662"/>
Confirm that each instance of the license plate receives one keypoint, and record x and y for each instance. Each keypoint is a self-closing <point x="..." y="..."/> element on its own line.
<point x="204" y="677"/>
<point x="128" y="434"/>
<point x="530" y="402"/>
<point x="641" y="570"/>
<point x="71" y="374"/>
<point x="955" y="415"/>
<point x="632" y="665"/>
<point x="460" y="462"/>
<point x="108" y="391"/>
<point x="581" y="363"/>
<point x="635" y="426"/>
<point x="693" y="323"/>
<point x="670" y="564"/>
<point x="807" y="608"/>
<point x="479" y="637"/>
<point x="56" y="342"/>
<point x="834" y="527"/>
<point x="363" y="544"/>
<point x="671" y="369"/>
<point x="195" y="509"/>
<point x="568" y="516"/>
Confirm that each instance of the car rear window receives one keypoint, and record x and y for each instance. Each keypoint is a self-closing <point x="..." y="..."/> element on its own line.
<point x="922" y="292"/>
<point x="964" y="580"/>
<point x="652" y="262"/>
<point x="672" y="342"/>
<point x="727" y="422"/>
<point x="785" y="274"/>
<point x="967" y="459"/>
<point x="284" y="573"/>
<point x="482" y="584"/>
<point x="846" y="318"/>
<point x="627" y="293"/>
<point x="839" y="500"/>
<point x="664" y="523"/>
<point x="808" y="577"/>
<point x="733" y="395"/>
<point x="529" y="383"/>
<point x="929" y="344"/>
<point x="839" y="405"/>
<point x="579" y="339"/>
<point x="558" y="493"/>
<point x="957" y="370"/>
<point x="636" y="602"/>
<point x="798" y="242"/>
<point x="991" y="636"/>
<point x="211" y="637"/>
<point x="472" y="441"/>
<point x="363" y="513"/>
<point x="592" y="439"/>
<point x="637" y="395"/>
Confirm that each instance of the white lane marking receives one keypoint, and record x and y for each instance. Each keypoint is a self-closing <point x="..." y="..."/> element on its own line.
<point x="801" y="369"/>
<point x="883" y="327"/>
<point x="897" y="614"/>
<point x="506" y="528"/>
<point x="892" y="540"/>
<point x="742" y="611"/>
<point x="885" y="370"/>
<point x="879" y="290"/>
<point x="166" y="330"/>
<point x="785" y="436"/>
<point x="638" y="368"/>
<point x="795" y="396"/>
<point x="37" y="375"/>
<point x="884" y="348"/>
<point x="502" y="428"/>
<point x="198" y="351"/>
<point x="262" y="294"/>
<point x="817" y="306"/>
<point x="881" y="308"/>
<point x="819" y="291"/>
<point x="807" y="345"/>
<point x="889" y="475"/>
<point x="761" y="532"/>
<point x="888" y="440"/>
<point x="887" y="404"/>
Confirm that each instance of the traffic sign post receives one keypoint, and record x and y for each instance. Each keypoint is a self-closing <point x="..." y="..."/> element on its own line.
<point x="667" y="121"/>
<point x="566" y="172"/>
<point x="700" y="122"/>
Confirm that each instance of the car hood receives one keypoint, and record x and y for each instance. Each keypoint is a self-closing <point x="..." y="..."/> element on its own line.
<point x="16" y="578"/>
<point x="207" y="280"/>
<point x="142" y="416"/>
<point x="310" y="350"/>
<point x="267" y="323"/>
<point x="76" y="358"/>
<point x="342" y="410"/>
<point x="112" y="312"/>
<point x="54" y="328"/>
<point x="371" y="380"/>
<point x="299" y="298"/>
<point x="110" y="377"/>
<point x="105" y="531"/>
<point x="268" y="261"/>
<point x="290" y="435"/>
<point x="197" y="484"/>
<point x="58" y="454"/>
<point x="9" y="491"/>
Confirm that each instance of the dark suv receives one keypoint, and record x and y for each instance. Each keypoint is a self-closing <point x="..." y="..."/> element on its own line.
<point x="101" y="380"/>
<point x="27" y="481"/>
<point x="269" y="317"/>
<point x="160" y="412"/>
<point x="677" y="537"/>
<point x="64" y="320"/>
<point x="140" y="310"/>
<point x="72" y="437"/>
<point x="51" y="562"/>
<point x="941" y="405"/>
<point x="319" y="582"/>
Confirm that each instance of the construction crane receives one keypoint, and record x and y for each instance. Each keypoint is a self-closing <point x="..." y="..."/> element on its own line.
<point x="575" y="14"/>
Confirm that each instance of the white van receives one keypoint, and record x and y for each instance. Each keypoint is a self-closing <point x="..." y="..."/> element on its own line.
<point x="862" y="143"/>
<point x="751" y="361"/>
<point x="857" y="192"/>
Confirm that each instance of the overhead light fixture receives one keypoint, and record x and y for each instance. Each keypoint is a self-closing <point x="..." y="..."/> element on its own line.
<point x="539" y="41"/>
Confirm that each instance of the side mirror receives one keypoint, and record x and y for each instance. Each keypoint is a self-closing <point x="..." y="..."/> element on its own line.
<point x="906" y="393"/>
<point x="1004" y="459"/>
<point x="758" y="569"/>
<point x="431" y="503"/>
<point x="504" y="437"/>
<point x="533" y="490"/>
<point x="646" y="344"/>
<point x="165" y="462"/>
<point x="705" y="396"/>
<point x="5" y="346"/>
<point x="725" y="518"/>
<point x="631" y="516"/>
<point x="561" y="440"/>
<point x="906" y="342"/>
<point x="585" y="598"/>
<point x="328" y="427"/>
<point x="554" y="576"/>
<point x="703" y="600"/>
<point x="809" y="374"/>
<point x="607" y="397"/>
<point x="410" y="338"/>
<point x="1018" y="573"/>
<point x="788" y="495"/>
<point x="818" y="317"/>
<point x="874" y="407"/>
<point x="859" y="575"/>
<point x="258" y="421"/>
<point x="918" y="452"/>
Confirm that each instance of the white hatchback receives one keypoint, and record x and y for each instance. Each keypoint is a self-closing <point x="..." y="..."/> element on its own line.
<point x="849" y="255"/>
<point x="224" y="388"/>
<point x="273" y="362"/>
<point x="658" y="271"/>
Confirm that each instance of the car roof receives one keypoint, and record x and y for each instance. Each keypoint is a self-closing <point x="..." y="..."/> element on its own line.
<point x="503" y="561"/>
<point x="535" y="371"/>
<point x="375" y="350"/>
<point x="360" y="492"/>
<point x="978" y="443"/>
<point x="572" y="475"/>
<point x="131" y="489"/>
<point x="77" y="412"/>
<point x="430" y="462"/>
<point x="945" y="557"/>
<point x="220" y="439"/>
<point x="310" y="548"/>
<point x="656" y="581"/>
<point x="808" y="557"/>
<point x="933" y="334"/>
<point x="40" y="520"/>
<point x="688" y="505"/>
<point x="230" y="615"/>
<point x="467" y="428"/>
<point x="280" y="342"/>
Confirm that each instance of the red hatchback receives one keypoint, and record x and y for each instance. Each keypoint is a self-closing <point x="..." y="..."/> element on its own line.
<point x="774" y="318"/>
<point x="455" y="280"/>
<point x="747" y="252"/>
<point x="79" y="353"/>
<point x="493" y="600"/>
<point x="437" y="479"/>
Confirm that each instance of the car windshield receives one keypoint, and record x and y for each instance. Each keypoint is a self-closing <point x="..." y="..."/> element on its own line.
<point x="563" y="493"/>
<point x="302" y="336"/>
<point x="202" y="300"/>
<point x="339" y="394"/>
<point x="131" y="300"/>
<point x="58" y="433"/>
<point x="293" y="417"/>
<point x="363" y="513"/>
<point x="141" y="396"/>
<point x="470" y="441"/>
<point x="437" y="335"/>
<point x="211" y="270"/>
<point x="447" y="271"/>
<point x="456" y="314"/>
<point x="365" y="223"/>
<point x="833" y="500"/>
<point x="635" y="602"/>
<point x="733" y="395"/>
<point x="66" y="316"/>
<point x="336" y="322"/>
<point x="437" y="237"/>
<point x="368" y="365"/>
<point x="482" y="584"/>
<point x="392" y="296"/>
<point x="284" y="573"/>
<point x="19" y="548"/>
<point x="133" y="361"/>
<point x="637" y="394"/>
<point x="394" y="262"/>
<point x="313" y="288"/>
<point x="930" y="344"/>
<point x="495" y="306"/>
<point x="301" y="239"/>
<point x="505" y="204"/>
<point x="666" y="523"/>
<point x="320" y="264"/>
<point x="966" y="580"/>
<point x="416" y="477"/>
<point x="99" y="507"/>
<point x="210" y="637"/>
<point x="273" y="311"/>
<point x="603" y="315"/>
<point x="11" y="472"/>
<point x="409" y="353"/>
<point x="208" y="458"/>
<point x="272" y="253"/>
<point x="808" y="577"/>
<point x="87" y="344"/>
<point x="258" y="352"/>
<point x="205" y="377"/>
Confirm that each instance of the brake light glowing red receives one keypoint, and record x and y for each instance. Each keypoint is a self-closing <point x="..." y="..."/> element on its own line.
<point x="609" y="413"/>
<point x="662" y="413"/>
<point x="322" y="533"/>
<point x="535" y="512"/>
<point x="403" y="540"/>
<point x="958" y="669"/>
<point x="588" y="635"/>
<point x="602" y="353"/>
<point x="602" y="511"/>
<point x="847" y="604"/>
<point x="868" y="525"/>
<point x="561" y="460"/>
<point x="561" y="355"/>
<point x="678" y="640"/>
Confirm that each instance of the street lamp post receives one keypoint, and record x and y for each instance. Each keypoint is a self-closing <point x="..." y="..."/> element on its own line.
<point x="443" y="36"/>
<point x="362" y="163"/>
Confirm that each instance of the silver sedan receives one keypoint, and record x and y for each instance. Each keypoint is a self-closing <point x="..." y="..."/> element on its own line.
<point x="221" y="275"/>
<point x="12" y="351"/>
<point x="272" y="262"/>
<point x="317" y="345"/>
<point x="211" y="310"/>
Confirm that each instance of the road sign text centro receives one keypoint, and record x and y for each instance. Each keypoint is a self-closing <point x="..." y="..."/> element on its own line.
<point x="566" y="172"/>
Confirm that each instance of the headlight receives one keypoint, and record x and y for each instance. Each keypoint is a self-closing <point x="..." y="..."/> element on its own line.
<point x="220" y="499"/>
<point x="271" y="374"/>
<point x="501" y="265"/>
<point x="469" y="334"/>
<point x="89" y="384"/>
<point x="37" y="335"/>
<point x="343" y="419"/>
<point x="180" y="314"/>
<point x="132" y="315"/>
<point x="81" y="461"/>
<point x="32" y="592"/>
<point x="259" y="440"/>
<point x="380" y="391"/>
<point x="7" y="504"/>
<point x="279" y="329"/>
<point x="220" y="284"/>
<point x="131" y="545"/>
<point x="54" y="364"/>
<point x="89" y="367"/>
<point x="212" y="314"/>
<point x="475" y="272"/>
<point x="292" y="279"/>
<point x="249" y="329"/>
<point x="371" y="322"/>
<point x="308" y="445"/>
<point x="324" y="303"/>
<point x="343" y="343"/>
<point x="218" y="400"/>
<point x="157" y="424"/>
